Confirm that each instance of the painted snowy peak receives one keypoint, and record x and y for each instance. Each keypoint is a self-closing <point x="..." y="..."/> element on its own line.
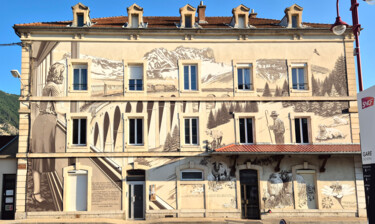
<point x="102" y="68"/>
<point x="163" y="63"/>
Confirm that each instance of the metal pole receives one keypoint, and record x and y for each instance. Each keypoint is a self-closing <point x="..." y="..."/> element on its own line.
<point x="356" y="30"/>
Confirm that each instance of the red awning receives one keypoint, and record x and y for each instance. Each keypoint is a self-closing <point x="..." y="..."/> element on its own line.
<point x="290" y="149"/>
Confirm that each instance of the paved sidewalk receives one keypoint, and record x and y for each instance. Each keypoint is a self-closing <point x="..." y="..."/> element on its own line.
<point x="289" y="220"/>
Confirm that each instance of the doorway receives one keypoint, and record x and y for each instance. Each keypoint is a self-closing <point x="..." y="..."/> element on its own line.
<point x="136" y="194"/>
<point x="249" y="194"/>
<point x="77" y="184"/>
<point x="8" y="196"/>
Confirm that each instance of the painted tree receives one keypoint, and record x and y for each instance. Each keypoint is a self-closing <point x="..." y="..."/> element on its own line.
<point x="176" y="138"/>
<point x="168" y="144"/>
<point x="267" y="91"/>
<point x="211" y="121"/>
<point x="285" y="89"/>
<point x="278" y="91"/>
<point x="238" y="108"/>
<point x="315" y="87"/>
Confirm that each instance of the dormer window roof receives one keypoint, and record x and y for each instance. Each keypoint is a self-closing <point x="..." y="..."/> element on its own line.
<point x="293" y="17"/>
<point x="240" y="17"/>
<point x="81" y="15"/>
<point x="135" y="17"/>
<point x="187" y="17"/>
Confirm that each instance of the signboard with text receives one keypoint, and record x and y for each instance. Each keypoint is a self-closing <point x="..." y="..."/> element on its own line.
<point x="366" y="110"/>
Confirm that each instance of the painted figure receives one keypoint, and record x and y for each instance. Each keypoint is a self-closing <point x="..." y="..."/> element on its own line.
<point x="44" y="129"/>
<point x="277" y="128"/>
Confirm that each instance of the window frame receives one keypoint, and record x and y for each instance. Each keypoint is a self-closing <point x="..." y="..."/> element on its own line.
<point x="79" y="132"/>
<point x="191" y="147"/>
<point x="127" y="65"/>
<point x="136" y="147"/>
<point x="70" y="132"/>
<point x="246" y="130"/>
<point x="136" y="131"/>
<point x="301" y="135"/>
<point x="79" y="67"/>
<point x="72" y="65"/>
<point x="191" y="171"/>
<point x="181" y="66"/>
<point x="191" y="130"/>
<point x="304" y="63"/>
<point x="254" y="117"/>
<point x="311" y="121"/>
<point x="248" y="64"/>
<point x="298" y="83"/>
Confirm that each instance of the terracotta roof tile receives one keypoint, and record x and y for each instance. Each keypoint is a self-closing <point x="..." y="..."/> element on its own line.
<point x="170" y="22"/>
<point x="291" y="148"/>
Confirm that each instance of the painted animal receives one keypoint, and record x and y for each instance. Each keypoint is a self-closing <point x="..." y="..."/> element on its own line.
<point x="219" y="171"/>
<point x="326" y="133"/>
<point x="275" y="185"/>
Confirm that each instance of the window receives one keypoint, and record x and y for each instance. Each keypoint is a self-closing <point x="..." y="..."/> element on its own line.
<point x="135" y="20"/>
<point x="80" y="77"/>
<point x="79" y="131"/>
<point x="188" y="21"/>
<point x="241" y="21"/>
<point x="190" y="77"/>
<point x="294" y="21"/>
<point x="244" y="79"/>
<point x="299" y="78"/>
<point x="191" y="175"/>
<point x="80" y="20"/>
<point x="246" y="130"/>
<point x="136" y="131"/>
<point x="301" y="130"/>
<point x="136" y="77"/>
<point x="191" y="131"/>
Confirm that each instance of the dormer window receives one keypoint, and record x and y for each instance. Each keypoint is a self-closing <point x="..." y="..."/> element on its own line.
<point x="135" y="17"/>
<point x="187" y="19"/>
<point x="293" y="17"/>
<point x="80" y="20"/>
<point x="81" y="16"/>
<point x="240" y="17"/>
<point x="135" y="20"/>
<point x="241" y="21"/>
<point x="295" y="21"/>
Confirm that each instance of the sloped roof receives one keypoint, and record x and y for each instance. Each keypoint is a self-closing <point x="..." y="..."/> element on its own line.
<point x="8" y="146"/>
<point x="170" y="22"/>
<point x="301" y="149"/>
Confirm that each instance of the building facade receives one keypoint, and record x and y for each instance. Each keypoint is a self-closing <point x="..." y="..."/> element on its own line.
<point x="192" y="116"/>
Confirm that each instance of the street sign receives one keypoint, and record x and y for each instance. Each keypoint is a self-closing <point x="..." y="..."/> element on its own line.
<point x="366" y="110"/>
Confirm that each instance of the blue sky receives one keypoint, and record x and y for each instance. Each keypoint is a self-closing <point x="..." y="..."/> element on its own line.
<point x="317" y="11"/>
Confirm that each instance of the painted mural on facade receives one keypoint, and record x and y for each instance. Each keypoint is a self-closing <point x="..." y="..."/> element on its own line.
<point x="108" y="131"/>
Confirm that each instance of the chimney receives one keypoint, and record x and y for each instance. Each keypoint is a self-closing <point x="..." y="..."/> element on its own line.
<point x="253" y="15"/>
<point x="201" y="13"/>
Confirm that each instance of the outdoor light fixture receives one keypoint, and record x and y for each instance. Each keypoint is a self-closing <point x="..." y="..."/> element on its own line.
<point x="370" y="2"/>
<point x="339" y="28"/>
<point x="15" y="74"/>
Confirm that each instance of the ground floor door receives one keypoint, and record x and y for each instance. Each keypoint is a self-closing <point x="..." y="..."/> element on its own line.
<point x="77" y="184"/>
<point x="136" y="200"/>
<point x="8" y="196"/>
<point x="249" y="194"/>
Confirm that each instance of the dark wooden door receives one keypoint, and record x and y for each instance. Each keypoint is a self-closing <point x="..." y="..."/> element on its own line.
<point x="8" y="196"/>
<point x="249" y="194"/>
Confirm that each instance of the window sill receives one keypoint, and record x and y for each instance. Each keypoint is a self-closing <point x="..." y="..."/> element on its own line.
<point x="78" y="148"/>
<point x="191" y="148"/>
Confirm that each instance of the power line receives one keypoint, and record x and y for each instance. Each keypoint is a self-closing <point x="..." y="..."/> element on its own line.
<point x="11" y="44"/>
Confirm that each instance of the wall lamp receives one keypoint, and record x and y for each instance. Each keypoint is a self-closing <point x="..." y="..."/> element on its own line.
<point x="339" y="28"/>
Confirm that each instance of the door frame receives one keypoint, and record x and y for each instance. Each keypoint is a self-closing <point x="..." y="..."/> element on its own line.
<point x="3" y="195"/>
<point x="131" y="205"/>
<point x="259" y="169"/>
